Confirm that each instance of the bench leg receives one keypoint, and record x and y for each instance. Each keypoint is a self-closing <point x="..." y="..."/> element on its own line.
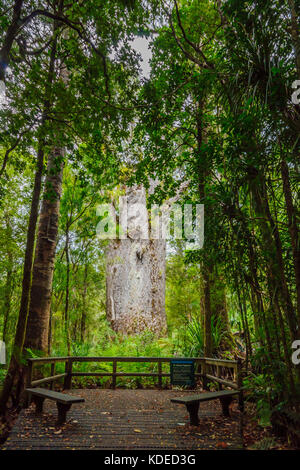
<point x="241" y="402"/>
<point x="62" y="413"/>
<point x="39" y="402"/>
<point x="225" y="402"/>
<point x="193" y="409"/>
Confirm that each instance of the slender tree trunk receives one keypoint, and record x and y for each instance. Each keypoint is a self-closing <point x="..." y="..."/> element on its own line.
<point x="7" y="296"/>
<point x="83" y="315"/>
<point x="9" y="37"/>
<point x="15" y="374"/>
<point x="15" y="370"/>
<point x="295" y="34"/>
<point x="206" y="267"/>
<point x="50" y="333"/>
<point x="272" y="246"/>
<point x="208" y="346"/>
<point x="293" y="229"/>
<point x="43" y="267"/>
<point x="66" y="317"/>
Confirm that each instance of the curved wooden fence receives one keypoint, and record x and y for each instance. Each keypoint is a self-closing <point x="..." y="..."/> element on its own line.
<point x="227" y="373"/>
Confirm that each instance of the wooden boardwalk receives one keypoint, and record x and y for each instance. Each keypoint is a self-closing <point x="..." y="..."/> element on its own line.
<point x="128" y="420"/>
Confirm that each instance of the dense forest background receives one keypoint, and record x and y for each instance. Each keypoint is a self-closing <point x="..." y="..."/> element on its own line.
<point x="79" y="121"/>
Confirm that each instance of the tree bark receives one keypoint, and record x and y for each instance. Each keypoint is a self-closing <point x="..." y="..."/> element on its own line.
<point x="293" y="229"/>
<point x="83" y="315"/>
<point x="43" y="267"/>
<point x="15" y="370"/>
<point x="7" y="296"/>
<point x="9" y="37"/>
<point x="295" y="34"/>
<point x="272" y="246"/>
<point x="67" y="295"/>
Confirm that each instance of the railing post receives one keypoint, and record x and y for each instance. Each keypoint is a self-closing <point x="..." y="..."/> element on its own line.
<point x="240" y="384"/>
<point x="204" y="372"/>
<point x="68" y="377"/>
<point x="29" y="374"/>
<point x="219" y="376"/>
<point x="159" y="364"/>
<point x="52" y="372"/>
<point x="114" y="377"/>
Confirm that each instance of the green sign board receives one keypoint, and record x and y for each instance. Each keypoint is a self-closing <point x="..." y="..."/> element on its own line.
<point x="182" y="372"/>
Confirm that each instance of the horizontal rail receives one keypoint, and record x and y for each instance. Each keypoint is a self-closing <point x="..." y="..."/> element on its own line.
<point x="48" y="379"/>
<point x="123" y="374"/>
<point x="228" y="383"/>
<point x="222" y="363"/>
<point x="48" y="360"/>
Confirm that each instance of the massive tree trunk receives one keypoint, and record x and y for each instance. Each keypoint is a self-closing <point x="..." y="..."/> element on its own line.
<point x="135" y="285"/>
<point x="43" y="267"/>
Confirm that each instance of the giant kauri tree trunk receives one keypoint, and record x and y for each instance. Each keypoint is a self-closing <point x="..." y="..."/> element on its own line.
<point x="135" y="284"/>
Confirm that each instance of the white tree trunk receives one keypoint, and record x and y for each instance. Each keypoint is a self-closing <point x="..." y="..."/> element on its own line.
<point x="135" y="282"/>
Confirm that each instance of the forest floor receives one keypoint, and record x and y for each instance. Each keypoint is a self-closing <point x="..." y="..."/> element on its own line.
<point x="135" y="419"/>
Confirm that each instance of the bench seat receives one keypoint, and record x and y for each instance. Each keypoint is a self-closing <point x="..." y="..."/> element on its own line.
<point x="63" y="401"/>
<point x="192" y="402"/>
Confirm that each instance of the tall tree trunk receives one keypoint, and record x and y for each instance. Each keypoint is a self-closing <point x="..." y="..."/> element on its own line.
<point x="295" y="34"/>
<point x="7" y="296"/>
<point x="43" y="267"/>
<point x="15" y="374"/>
<point x="15" y="370"/>
<point x="206" y="267"/>
<point x="208" y="346"/>
<point x="83" y="315"/>
<point x="9" y="37"/>
<point x="67" y="295"/>
<point x="293" y="228"/>
<point x="272" y="246"/>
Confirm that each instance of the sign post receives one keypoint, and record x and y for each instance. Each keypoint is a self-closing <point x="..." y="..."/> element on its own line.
<point x="182" y="372"/>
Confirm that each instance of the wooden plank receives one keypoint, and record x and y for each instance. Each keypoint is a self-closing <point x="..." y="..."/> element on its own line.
<point x="204" y="397"/>
<point x="132" y="359"/>
<point x="222" y="381"/>
<point x="222" y="362"/>
<point x="47" y="360"/>
<point x="118" y="374"/>
<point x="126" y="374"/>
<point x="57" y="396"/>
<point x="47" y="379"/>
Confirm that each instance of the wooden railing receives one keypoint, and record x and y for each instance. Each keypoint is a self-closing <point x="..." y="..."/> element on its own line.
<point x="225" y="372"/>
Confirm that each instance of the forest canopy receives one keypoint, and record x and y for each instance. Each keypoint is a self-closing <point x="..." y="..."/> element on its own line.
<point x="215" y="122"/>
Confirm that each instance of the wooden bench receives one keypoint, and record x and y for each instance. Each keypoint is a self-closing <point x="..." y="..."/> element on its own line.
<point x="192" y="402"/>
<point x="63" y="401"/>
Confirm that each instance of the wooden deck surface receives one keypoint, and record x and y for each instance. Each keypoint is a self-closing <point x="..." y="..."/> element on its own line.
<point x="126" y="419"/>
